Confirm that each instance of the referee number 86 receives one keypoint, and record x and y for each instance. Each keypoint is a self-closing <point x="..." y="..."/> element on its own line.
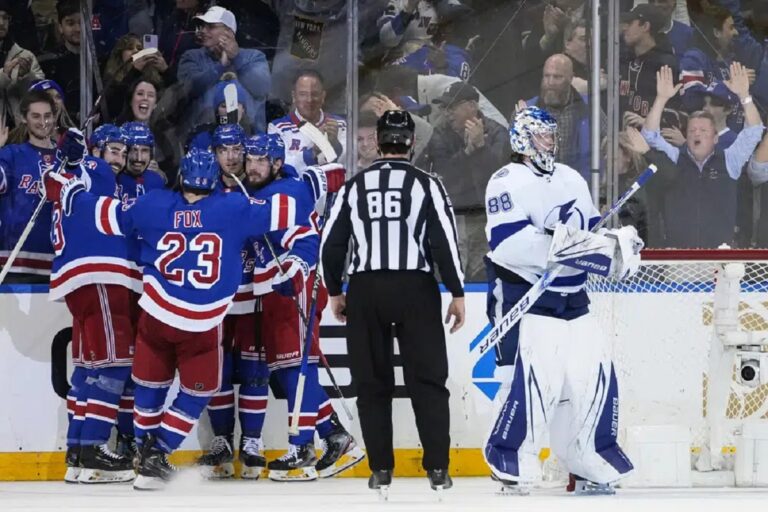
<point x="384" y="204"/>
<point x="500" y="203"/>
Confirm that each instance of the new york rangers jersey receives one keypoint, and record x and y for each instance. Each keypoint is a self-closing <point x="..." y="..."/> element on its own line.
<point x="20" y="171"/>
<point x="292" y="230"/>
<point x="298" y="147"/>
<point x="84" y="255"/>
<point x="130" y="187"/>
<point x="244" y="302"/>
<point x="191" y="252"/>
<point x="523" y="207"/>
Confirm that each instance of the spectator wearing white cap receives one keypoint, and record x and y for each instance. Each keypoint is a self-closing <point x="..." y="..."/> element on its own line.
<point x="201" y="68"/>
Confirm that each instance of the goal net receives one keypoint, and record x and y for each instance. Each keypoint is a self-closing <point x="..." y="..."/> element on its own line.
<point x="662" y="326"/>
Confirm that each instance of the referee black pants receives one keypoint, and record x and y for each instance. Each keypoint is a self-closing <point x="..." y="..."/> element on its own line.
<point x="409" y="300"/>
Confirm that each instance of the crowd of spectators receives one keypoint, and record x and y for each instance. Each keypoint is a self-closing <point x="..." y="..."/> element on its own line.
<point x="693" y="85"/>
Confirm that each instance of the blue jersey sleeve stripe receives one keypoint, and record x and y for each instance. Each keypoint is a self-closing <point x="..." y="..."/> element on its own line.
<point x="592" y="222"/>
<point x="503" y="231"/>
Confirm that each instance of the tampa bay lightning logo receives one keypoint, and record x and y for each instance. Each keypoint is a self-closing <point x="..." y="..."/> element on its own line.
<point x="566" y="213"/>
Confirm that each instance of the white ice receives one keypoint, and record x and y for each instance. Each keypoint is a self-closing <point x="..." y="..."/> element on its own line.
<point x="189" y="493"/>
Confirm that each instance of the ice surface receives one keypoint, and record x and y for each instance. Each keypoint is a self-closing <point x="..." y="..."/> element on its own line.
<point x="352" y="494"/>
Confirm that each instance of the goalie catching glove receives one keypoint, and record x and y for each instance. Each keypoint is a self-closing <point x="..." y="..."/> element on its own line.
<point x="611" y="253"/>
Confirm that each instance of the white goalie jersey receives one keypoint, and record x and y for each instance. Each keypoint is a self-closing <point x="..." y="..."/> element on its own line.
<point x="523" y="207"/>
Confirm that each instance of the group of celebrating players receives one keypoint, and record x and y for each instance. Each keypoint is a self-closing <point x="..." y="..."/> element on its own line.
<point x="208" y="278"/>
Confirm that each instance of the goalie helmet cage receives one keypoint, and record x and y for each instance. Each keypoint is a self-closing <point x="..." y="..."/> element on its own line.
<point x="661" y="326"/>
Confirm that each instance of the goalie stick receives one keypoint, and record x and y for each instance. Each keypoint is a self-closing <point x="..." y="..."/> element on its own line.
<point x="490" y="336"/>
<point x="319" y="139"/>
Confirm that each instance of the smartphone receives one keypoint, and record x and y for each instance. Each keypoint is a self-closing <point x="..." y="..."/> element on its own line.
<point x="150" y="41"/>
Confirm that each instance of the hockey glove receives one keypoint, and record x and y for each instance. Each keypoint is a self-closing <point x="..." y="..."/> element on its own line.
<point x="323" y="180"/>
<point x="626" y="259"/>
<point x="291" y="281"/>
<point x="73" y="147"/>
<point x="62" y="188"/>
<point x="583" y="250"/>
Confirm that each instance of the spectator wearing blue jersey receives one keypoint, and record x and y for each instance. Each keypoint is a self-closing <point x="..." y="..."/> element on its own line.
<point x="201" y="68"/>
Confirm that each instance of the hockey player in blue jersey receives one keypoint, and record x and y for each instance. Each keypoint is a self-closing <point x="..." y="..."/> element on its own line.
<point x="21" y="166"/>
<point x="138" y="178"/>
<point x="282" y="328"/>
<point x="558" y="381"/>
<point x="108" y="142"/>
<point x="239" y="329"/>
<point x="92" y="274"/>
<point x="191" y="252"/>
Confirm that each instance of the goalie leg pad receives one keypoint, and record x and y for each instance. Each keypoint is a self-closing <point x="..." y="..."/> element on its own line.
<point x="590" y="448"/>
<point x="520" y="431"/>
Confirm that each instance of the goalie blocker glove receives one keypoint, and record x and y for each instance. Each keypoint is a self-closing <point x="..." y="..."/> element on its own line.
<point x="610" y="253"/>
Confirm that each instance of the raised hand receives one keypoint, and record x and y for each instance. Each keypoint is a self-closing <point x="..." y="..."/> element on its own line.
<point x="739" y="82"/>
<point x="665" y="84"/>
<point x="637" y="142"/>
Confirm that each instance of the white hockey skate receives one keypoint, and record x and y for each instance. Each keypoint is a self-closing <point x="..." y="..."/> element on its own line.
<point x="218" y="462"/>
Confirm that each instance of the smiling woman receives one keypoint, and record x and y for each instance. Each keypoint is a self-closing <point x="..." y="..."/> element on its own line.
<point x="140" y="102"/>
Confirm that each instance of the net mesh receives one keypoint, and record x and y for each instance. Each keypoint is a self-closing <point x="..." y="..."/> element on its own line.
<point x="660" y="326"/>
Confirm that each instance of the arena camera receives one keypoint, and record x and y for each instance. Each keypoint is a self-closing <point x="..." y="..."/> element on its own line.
<point x="750" y="365"/>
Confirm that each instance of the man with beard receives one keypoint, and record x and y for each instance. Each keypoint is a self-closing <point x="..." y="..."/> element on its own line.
<point x="569" y="108"/>
<point x="138" y="178"/>
<point x="281" y="327"/>
<point x="108" y="143"/>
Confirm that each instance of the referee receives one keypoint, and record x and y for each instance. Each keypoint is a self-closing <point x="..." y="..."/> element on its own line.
<point x="401" y="222"/>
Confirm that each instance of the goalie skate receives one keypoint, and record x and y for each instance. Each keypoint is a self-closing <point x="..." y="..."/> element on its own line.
<point x="72" y="460"/>
<point x="252" y="458"/>
<point x="510" y="487"/>
<point x="380" y="481"/>
<point x="586" y="488"/>
<point x="218" y="462"/>
<point x="100" y="465"/>
<point x="298" y="465"/>
<point x="340" y="452"/>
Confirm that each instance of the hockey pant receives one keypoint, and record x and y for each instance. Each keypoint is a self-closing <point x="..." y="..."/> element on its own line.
<point x="102" y="324"/>
<point x="564" y="395"/>
<point x="160" y="351"/>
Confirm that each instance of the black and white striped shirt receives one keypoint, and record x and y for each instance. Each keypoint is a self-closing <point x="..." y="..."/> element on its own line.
<point x="399" y="218"/>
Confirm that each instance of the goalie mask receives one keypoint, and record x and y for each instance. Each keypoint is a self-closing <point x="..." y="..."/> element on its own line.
<point x="533" y="133"/>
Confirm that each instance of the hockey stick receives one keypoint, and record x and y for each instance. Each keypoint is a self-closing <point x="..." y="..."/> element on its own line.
<point x="319" y="139"/>
<point x="27" y="229"/>
<point x="480" y="346"/>
<point x="300" y="311"/>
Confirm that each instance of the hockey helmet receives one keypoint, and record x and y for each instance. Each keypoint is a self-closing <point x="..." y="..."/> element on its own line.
<point x="138" y="134"/>
<point x="533" y="133"/>
<point x="395" y="127"/>
<point x="270" y="145"/>
<point x="105" y="134"/>
<point x="228" y="135"/>
<point x="199" y="170"/>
